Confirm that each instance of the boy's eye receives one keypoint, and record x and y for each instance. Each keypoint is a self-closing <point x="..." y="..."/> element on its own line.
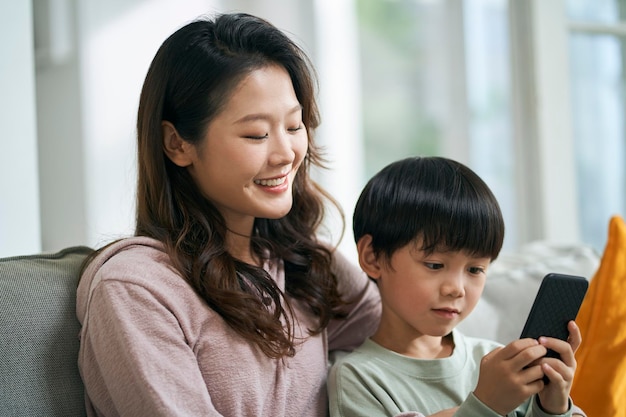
<point x="476" y="270"/>
<point x="432" y="265"/>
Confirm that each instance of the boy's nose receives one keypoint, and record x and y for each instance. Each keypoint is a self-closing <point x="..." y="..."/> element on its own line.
<point x="453" y="286"/>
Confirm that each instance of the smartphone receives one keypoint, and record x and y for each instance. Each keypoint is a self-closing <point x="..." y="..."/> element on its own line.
<point x="557" y="302"/>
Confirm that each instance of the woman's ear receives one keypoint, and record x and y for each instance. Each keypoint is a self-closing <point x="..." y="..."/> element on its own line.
<point x="176" y="148"/>
<point x="367" y="257"/>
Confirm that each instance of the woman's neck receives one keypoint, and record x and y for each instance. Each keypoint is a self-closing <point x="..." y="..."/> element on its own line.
<point x="239" y="246"/>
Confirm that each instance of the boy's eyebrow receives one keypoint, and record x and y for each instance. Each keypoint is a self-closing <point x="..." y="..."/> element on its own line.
<point x="265" y="116"/>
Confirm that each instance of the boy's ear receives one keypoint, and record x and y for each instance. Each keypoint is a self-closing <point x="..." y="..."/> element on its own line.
<point x="176" y="148"/>
<point x="367" y="258"/>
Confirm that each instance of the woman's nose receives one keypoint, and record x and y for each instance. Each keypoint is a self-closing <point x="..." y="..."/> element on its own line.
<point x="281" y="149"/>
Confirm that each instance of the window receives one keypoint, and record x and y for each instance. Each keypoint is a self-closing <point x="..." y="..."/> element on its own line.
<point x="528" y="94"/>
<point x="597" y="36"/>
<point x="436" y="81"/>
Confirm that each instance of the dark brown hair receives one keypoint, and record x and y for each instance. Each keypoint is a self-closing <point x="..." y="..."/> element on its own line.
<point x="188" y="83"/>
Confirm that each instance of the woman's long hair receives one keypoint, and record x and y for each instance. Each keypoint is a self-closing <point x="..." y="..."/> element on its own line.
<point x="188" y="83"/>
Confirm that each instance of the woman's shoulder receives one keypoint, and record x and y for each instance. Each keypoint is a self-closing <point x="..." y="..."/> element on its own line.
<point x="130" y="257"/>
<point x="344" y="266"/>
<point x="137" y="262"/>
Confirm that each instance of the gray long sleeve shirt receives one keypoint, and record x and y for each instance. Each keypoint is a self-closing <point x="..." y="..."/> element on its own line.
<point x="374" y="381"/>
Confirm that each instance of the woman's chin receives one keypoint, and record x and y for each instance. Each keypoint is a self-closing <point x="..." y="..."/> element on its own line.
<point x="275" y="214"/>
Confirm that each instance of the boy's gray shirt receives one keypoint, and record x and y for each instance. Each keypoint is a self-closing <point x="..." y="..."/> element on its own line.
<point x="374" y="381"/>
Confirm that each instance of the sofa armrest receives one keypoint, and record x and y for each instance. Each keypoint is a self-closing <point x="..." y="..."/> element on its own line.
<point x="39" y="334"/>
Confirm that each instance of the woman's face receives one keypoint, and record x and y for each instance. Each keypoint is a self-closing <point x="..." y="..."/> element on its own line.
<point x="247" y="161"/>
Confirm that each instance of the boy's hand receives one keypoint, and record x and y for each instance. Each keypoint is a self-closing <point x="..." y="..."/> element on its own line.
<point x="554" y="398"/>
<point x="508" y="375"/>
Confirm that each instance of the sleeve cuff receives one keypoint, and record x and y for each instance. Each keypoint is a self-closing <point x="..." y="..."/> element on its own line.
<point x="539" y="412"/>
<point x="473" y="407"/>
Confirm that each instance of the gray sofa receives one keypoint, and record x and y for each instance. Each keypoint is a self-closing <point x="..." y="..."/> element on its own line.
<point x="39" y="335"/>
<point x="39" y="330"/>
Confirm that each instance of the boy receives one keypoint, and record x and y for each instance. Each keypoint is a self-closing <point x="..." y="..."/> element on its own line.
<point x="427" y="230"/>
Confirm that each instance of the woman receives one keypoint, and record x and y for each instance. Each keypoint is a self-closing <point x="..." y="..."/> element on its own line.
<point x="224" y="302"/>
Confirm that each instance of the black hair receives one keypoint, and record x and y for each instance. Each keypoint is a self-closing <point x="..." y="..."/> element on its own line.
<point x="436" y="202"/>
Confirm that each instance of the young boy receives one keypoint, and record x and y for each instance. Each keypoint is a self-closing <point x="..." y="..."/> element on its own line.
<point x="427" y="230"/>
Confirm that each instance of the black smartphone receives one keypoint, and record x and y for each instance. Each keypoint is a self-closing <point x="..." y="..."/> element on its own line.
<point x="557" y="302"/>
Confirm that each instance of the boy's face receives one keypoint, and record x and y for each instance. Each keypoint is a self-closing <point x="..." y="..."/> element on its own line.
<point x="425" y="296"/>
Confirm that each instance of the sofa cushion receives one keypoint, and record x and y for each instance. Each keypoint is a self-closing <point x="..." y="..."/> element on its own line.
<point x="512" y="283"/>
<point x="39" y="334"/>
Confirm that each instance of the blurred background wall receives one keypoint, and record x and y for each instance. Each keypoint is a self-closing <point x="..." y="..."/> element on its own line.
<point x="530" y="94"/>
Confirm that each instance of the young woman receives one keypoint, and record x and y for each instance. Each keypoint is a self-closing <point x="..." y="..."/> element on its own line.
<point x="225" y="302"/>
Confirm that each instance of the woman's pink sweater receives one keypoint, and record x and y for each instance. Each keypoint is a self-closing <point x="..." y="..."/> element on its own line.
<point x="151" y="347"/>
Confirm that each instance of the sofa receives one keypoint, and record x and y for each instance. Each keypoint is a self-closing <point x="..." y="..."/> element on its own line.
<point x="39" y="329"/>
<point x="39" y="335"/>
<point x="512" y="283"/>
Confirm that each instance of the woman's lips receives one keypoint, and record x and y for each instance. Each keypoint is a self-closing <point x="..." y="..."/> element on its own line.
<point x="272" y="182"/>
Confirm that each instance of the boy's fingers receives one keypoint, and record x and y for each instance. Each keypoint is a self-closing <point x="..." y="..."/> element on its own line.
<point x="514" y="348"/>
<point x="556" y="366"/>
<point x="532" y="374"/>
<point x="564" y="349"/>
<point x="575" y="337"/>
<point x="525" y="357"/>
<point x="552" y="374"/>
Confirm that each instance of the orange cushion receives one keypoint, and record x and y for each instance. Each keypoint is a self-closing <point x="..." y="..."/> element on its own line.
<point x="599" y="386"/>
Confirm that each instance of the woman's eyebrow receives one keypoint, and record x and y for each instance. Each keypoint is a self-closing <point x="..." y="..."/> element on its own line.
<point x="265" y="116"/>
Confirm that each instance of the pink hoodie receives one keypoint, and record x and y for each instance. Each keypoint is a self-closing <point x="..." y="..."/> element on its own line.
<point x="150" y="346"/>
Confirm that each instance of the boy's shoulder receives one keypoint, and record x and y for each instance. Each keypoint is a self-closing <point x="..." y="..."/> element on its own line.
<point x="368" y="359"/>
<point x="477" y="346"/>
<point x="368" y="351"/>
<point x="475" y="341"/>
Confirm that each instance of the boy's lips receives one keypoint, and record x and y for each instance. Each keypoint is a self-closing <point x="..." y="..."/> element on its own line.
<point x="446" y="312"/>
<point x="448" y="309"/>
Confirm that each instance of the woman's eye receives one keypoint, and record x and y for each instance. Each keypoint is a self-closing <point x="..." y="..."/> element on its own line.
<point x="256" y="137"/>
<point x="294" y="129"/>
<point x="432" y="265"/>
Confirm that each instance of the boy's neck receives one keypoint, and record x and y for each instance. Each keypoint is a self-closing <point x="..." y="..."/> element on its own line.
<point x="423" y="347"/>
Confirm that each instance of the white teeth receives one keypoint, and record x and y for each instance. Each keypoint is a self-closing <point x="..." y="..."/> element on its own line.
<point x="270" y="183"/>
